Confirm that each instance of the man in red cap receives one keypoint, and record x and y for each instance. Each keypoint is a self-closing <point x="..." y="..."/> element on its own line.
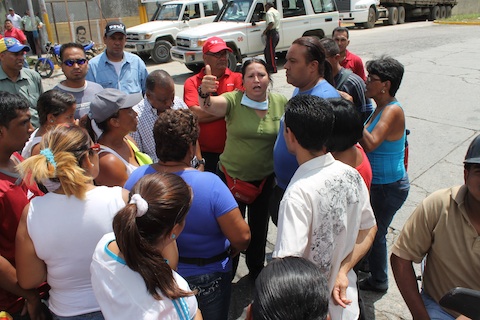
<point x="212" y="129"/>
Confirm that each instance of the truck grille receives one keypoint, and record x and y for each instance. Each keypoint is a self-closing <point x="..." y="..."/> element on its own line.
<point x="343" y="5"/>
<point x="183" y="42"/>
<point x="132" y="36"/>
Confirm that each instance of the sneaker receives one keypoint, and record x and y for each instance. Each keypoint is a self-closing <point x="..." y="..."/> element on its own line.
<point x="366" y="285"/>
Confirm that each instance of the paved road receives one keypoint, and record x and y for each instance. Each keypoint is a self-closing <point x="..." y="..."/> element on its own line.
<point x="440" y="94"/>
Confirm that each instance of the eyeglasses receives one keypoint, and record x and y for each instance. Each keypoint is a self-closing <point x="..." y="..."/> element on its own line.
<point x="220" y="54"/>
<point x="95" y="147"/>
<point x="372" y="79"/>
<point x="71" y="62"/>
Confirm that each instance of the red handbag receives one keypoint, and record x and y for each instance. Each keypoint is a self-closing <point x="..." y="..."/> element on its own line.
<point x="241" y="190"/>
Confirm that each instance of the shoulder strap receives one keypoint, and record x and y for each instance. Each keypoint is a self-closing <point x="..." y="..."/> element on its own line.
<point x="343" y="78"/>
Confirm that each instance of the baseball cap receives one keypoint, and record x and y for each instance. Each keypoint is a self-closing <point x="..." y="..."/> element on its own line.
<point x="108" y="101"/>
<point x="114" y="27"/>
<point x="214" y="45"/>
<point x="473" y="152"/>
<point x="12" y="45"/>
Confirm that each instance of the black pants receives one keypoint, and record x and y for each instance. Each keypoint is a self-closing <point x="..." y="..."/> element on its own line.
<point x="32" y="42"/>
<point x="211" y="161"/>
<point x="269" y="52"/>
<point x="258" y="222"/>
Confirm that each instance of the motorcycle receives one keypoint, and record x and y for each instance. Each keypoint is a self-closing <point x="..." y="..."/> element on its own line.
<point x="46" y="65"/>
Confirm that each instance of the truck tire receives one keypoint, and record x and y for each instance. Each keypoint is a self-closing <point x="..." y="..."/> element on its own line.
<point x="232" y="62"/>
<point x="401" y="15"/>
<point x="195" y="68"/>
<point x="448" y="13"/>
<point x="392" y="15"/>
<point x="161" y="52"/>
<point x="372" y="18"/>
<point x="443" y="12"/>
<point x="435" y="13"/>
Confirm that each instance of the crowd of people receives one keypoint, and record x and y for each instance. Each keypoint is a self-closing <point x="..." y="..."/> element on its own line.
<point x="130" y="202"/>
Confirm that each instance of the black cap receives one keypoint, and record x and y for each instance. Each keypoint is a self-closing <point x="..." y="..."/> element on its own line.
<point x="473" y="152"/>
<point x="114" y="27"/>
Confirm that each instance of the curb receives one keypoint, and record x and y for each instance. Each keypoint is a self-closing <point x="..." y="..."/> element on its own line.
<point x="469" y="23"/>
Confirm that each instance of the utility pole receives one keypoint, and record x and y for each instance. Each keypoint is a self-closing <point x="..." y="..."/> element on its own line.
<point x="46" y="21"/>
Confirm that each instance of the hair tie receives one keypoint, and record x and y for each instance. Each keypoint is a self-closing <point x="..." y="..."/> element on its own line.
<point x="142" y="205"/>
<point x="47" y="153"/>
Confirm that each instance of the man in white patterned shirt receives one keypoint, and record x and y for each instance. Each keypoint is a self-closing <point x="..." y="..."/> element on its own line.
<point x="159" y="96"/>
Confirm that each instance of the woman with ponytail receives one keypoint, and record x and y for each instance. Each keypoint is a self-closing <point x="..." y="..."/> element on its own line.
<point x="58" y="232"/>
<point x="131" y="278"/>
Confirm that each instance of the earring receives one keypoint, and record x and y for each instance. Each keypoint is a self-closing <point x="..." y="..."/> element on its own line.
<point x="93" y="165"/>
<point x="51" y="120"/>
<point x="383" y="90"/>
<point x="173" y="236"/>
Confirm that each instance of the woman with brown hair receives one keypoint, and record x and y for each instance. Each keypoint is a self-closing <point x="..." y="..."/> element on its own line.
<point x="58" y="232"/>
<point x="131" y="278"/>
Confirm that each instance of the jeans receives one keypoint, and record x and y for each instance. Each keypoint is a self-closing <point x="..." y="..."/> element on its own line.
<point x="213" y="294"/>
<point x="87" y="316"/>
<point x="386" y="199"/>
<point x="258" y="217"/>
<point x="434" y="310"/>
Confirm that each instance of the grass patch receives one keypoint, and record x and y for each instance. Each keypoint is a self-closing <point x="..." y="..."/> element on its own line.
<point x="471" y="17"/>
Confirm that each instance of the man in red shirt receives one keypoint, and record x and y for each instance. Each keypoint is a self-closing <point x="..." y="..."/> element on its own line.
<point x="349" y="60"/>
<point x="11" y="31"/>
<point x="212" y="129"/>
<point x="15" y="129"/>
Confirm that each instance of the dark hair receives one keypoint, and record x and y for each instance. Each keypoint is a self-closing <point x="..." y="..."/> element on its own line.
<point x="341" y="29"/>
<point x="53" y="102"/>
<point x="255" y="60"/>
<point x="290" y="288"/>
<point x="8" y="21"/>
<point x="101" y="125"/>
<point x="316" y="52"/>
<point x="9" y="105"/>
<point x="174" y="132"/>
<point x="330" y="46"/>
<point x="311" y="120"/>
<point x="158" y="78"/>
<point x="387" y="69"/>
<point x="80" y="28"/>
<point x="68" y="45"/>
<point x="348" y="127"/>
<point x="169" y="199"/>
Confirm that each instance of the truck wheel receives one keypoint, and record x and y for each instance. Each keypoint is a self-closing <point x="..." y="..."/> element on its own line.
<point x="435" y="13"/>
<point x="195" y="68"/>
<point x="448" y="12"/>
<point x="443" y="12"/>
<point x="372" y="18"/>
<point x="401" y="15"/>
<point x="392" y="15"/>
<point x="161" y="51"/>
<point x="232" y="62"/>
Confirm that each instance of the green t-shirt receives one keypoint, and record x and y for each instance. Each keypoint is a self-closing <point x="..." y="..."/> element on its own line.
<point x="248" y="153"/>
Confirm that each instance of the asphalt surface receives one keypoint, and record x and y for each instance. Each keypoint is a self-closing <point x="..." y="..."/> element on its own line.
<point x="440" y="94"/>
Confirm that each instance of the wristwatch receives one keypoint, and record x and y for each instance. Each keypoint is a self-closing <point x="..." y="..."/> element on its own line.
<point x="201" y="162"/>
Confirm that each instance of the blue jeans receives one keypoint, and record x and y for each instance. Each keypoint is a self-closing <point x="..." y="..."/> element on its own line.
<point x="213" y="294"/>
<point x="386" y="199"/>
<point x="87" y="316"/>
<point x="434" y="310"/>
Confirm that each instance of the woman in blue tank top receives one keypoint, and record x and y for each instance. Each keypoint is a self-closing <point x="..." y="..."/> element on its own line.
<point x="384" y="141"/>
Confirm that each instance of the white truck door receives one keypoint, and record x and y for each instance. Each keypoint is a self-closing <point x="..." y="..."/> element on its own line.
<point x="294" y="22"/>
<point x="255" y="43"/>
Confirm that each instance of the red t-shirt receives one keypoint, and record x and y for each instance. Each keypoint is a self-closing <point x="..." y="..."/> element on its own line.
<point x="17" y="34"/>
<point x="364" y="168"/>
<point x="212" y="134"/>
<point x="14" y="196"/>
<point x="354" y="63"/>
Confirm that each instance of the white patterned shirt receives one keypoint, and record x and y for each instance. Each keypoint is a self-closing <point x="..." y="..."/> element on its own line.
<point x="324" y="207"/>
<point x="147" y="115"/>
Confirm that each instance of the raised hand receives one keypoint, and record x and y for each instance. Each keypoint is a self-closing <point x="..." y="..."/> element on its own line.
<point x="209" y="81"/>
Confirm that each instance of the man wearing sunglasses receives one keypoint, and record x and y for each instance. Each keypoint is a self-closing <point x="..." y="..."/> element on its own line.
<point x="212" y="129"/>
<point x="75" y="67"/>
<point x="14" y="78"/>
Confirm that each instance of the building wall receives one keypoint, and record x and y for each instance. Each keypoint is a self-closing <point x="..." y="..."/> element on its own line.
<point x="467" y="6"/>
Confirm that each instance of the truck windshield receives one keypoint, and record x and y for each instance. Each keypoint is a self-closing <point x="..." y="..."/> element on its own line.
<point x="236" y="11"/>
<point x="169" y="12"/>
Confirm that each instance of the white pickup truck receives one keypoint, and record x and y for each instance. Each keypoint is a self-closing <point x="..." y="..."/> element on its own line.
<point x="156" y="37"/>
<point x="240" y="24"/>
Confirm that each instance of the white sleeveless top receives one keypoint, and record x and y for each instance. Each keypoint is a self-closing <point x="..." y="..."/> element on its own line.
<point x="32" y="142"/>
<point x="130" y="167"/>
<point x="65" y="231"/>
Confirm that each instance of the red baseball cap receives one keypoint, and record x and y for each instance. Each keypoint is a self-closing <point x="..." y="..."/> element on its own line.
<point x="214" y="45"/>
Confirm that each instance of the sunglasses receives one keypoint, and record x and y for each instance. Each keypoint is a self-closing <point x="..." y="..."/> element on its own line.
<point x="71" y="62"/>
<point x="95" y="147"/>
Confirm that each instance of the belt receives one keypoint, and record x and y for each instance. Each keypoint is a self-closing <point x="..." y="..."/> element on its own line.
<point x="204" y="261"/>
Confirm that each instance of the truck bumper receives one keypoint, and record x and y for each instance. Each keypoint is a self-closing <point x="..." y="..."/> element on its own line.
<point x="139" y="46"/>
<point x="357" y="16"/>
<point x="186" y="56"/>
